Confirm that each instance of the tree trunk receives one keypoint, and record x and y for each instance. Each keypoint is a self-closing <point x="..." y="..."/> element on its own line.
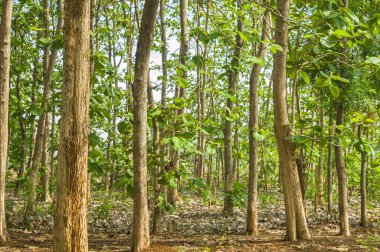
<point x="158" y="211"/>
<point x="363" y="183"/>
<point x="140" y="236"/>
<point x="5" y="50"/>
<point x="183" y="54"/>
<point x="329" y="166"/>
<point x="70" y="229"/>
<point x="339" y="155"/>
<point x="295" y="214"/>
<point x="254" y="126"/>
<point x="232" y="81"/>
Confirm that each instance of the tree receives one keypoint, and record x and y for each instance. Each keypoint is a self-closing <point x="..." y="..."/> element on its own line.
<point x="140" y="236"/>
<point x="339" y="152"/>
<point x="296" y="224"/>
<point x="254" y="125"/>
<point x="70" y="220"/>
<point x="232" y="82"/>
<point x="5" y="51"/>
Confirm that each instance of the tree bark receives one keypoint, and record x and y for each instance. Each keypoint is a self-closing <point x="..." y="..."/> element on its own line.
<point x="5" y="51"/>
<point x="158" y="210"/>
<point x="339" y="155"/>
<point x="253" y="127"/>
<point x="232" y="81"/>
<point x="329" y="166"/>
<point x="180" y="91"/>
<point x="363" y="183"/>
<point x="295" y="215"/>
<point x="140" y="236"/>
<point x="70" y="220"/>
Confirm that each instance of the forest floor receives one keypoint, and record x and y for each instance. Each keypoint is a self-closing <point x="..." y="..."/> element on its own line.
<point x="197" y="227"/>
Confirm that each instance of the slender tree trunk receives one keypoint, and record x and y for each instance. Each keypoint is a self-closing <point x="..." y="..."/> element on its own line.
<point x="180" y="91"/>
<point x="329" y="166"/>
<point x="158" y="211"/>
<point x="45" y="162"/>
<point x="140" y="236"/>
<point x="70" y="220"/>
<point x="5" y="50"/>
<point x="295" y="214"/>
<point x="232" y="81"/>
<point x="363" y="183"/>
<point x="339" y="154"/>
<point x="253" y="127"/>
<point x="319" y="170"/>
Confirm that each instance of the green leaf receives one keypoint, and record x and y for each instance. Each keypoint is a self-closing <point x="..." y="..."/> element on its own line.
<point x="36" y="111"/>
<point x="258" y="137"/>
<point x="334" y="90"/>
<point x="123" y="127"/>
<point x="242" y="36"/>
<point x="341" y="33"/>
<point x="304" y="76"/>
<point x="45" y="41"/>
<point x="373" y="60"/>
<point x="338" y="78"/>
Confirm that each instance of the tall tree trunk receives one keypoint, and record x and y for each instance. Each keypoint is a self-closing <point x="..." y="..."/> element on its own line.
<point x="70" y="220"/>
<point x="183" y="54"/>
<point x="45" y="162"/>
<point x="339" y="153"/>
<point x="363" y="183"/>
<point x="329" y="166"/>
<point x="253" y="127"/>
<point x="5" y="51"/>
<point x="295" y="215"/>
<point x="140" y="236"/>
<point x="158" y="211"/>
<point x="232" y="81"/>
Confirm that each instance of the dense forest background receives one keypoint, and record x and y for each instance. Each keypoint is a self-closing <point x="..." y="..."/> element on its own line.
<point x="268" y="106"/>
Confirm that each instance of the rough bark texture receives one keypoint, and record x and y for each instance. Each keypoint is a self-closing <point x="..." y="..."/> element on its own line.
<point x="5" y="49"/>
<point x="140" y="236"/>
<point x="253" y="127"/>
<point x="70" y="230"/>
<point x="232" y="81"/>
<point x="295" y="215"/>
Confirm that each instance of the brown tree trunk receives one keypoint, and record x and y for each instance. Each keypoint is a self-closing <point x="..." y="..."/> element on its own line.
<point x="253" y="127"/>
<point x="295" y="215"/>
<point x="158" y="211"/>
<point x="339" y="155"/>
<point x="70" y="220"/>
<point x="329" y="166"/>
<point x="5" y="50"/>
<point x="183" y="54"/>
<point x="140" y="236"/>
<point x="232" y="81"/>
<point x="363" y="183"/>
